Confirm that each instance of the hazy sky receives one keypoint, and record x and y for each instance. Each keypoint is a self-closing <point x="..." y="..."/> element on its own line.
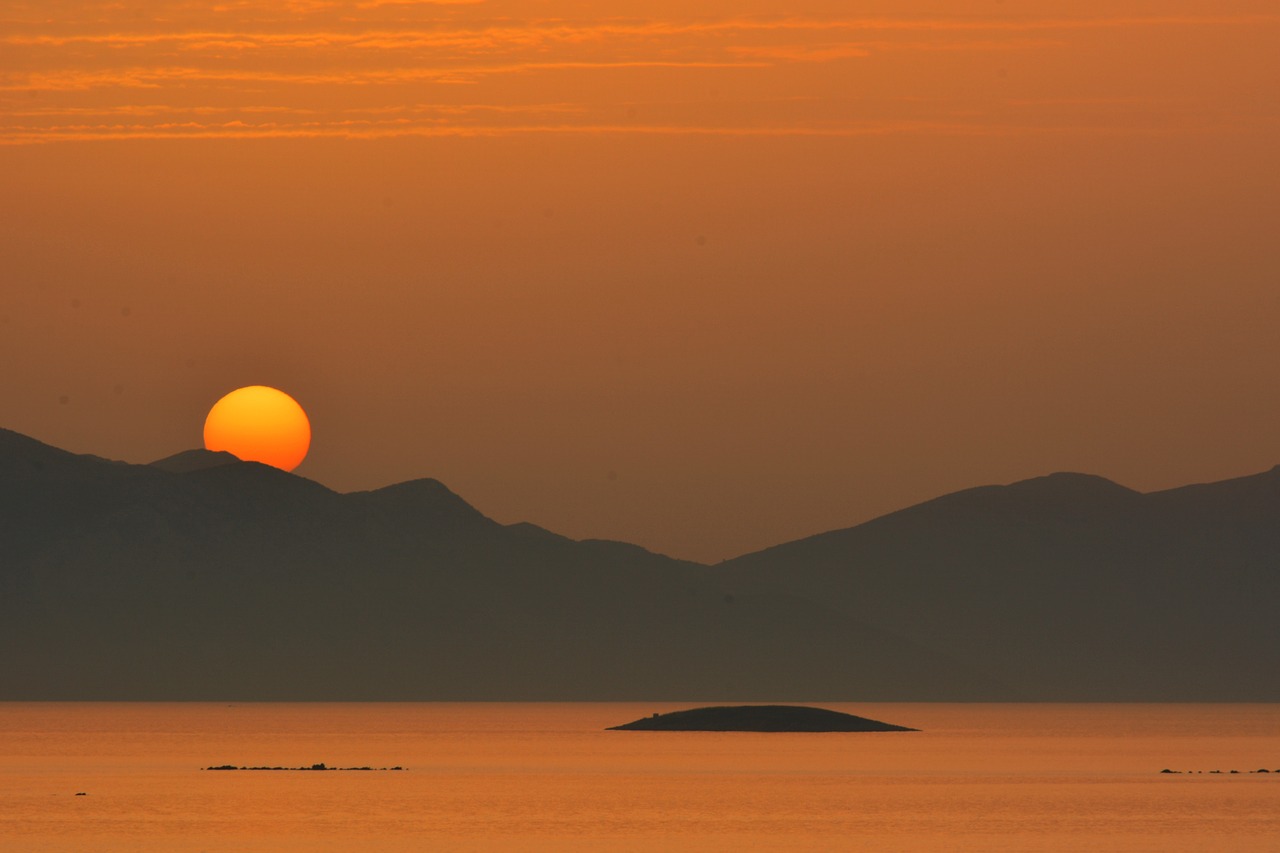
<point x="703" y="276"/>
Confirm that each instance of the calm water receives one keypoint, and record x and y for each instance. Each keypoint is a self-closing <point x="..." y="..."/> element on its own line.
<point x="546" y="777"/>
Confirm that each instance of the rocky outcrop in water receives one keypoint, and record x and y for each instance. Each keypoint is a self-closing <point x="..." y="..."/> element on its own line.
<point x="758" y="718"/>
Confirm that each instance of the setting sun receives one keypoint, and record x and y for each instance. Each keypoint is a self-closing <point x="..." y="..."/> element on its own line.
<point x="259" y="424"/>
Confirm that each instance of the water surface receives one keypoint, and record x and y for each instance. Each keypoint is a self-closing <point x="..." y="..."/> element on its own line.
<point x="547" y="776"/>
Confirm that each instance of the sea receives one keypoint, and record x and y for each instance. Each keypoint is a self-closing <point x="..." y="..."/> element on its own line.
<point x="544" y="776"/>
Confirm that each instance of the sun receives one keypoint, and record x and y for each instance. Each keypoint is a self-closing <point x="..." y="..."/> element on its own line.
<point x="259" y="424"/>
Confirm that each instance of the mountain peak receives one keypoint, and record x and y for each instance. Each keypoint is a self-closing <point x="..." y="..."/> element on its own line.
<point x="422" y="498"/>
<point x="1070" y="482"/>
<point x="15" y="443"/>
<point x="196" y="459"/>
<point x="22" y="456"/>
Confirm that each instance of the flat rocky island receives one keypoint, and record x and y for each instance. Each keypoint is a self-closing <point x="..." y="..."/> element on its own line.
<point x="758" y="718"/>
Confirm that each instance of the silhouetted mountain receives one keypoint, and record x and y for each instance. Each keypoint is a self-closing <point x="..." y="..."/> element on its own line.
<point x="195" y="460"/>
<point x="1069" y="587"/>
<point x="190" y="581"/>
<point x="186" y="580"/>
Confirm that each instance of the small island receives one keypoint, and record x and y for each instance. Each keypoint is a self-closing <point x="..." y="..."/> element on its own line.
<point x="758" y="718"/>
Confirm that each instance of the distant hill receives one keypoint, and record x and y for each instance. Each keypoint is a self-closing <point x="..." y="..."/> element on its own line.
<point x="203" y="577"/>
<point x="186" y="580"/>
<point x="1068" y="586"/>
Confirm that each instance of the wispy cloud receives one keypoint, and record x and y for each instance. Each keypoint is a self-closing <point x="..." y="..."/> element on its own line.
<point x="542" y="32"/>
<point x="372" y="68"/>
<point x="38" y="128"/>
<point x="801" y="52"/>
<point x="161" y="77"/>
<point x="356" y="129"/>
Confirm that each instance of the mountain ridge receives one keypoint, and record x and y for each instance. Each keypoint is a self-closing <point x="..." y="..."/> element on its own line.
<point x="237" y="580"/>
<point x="1119" y="596"/>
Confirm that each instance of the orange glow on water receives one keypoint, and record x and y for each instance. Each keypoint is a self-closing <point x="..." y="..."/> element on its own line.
<point x="259" y="424"/>
<point x="547" y="777"/>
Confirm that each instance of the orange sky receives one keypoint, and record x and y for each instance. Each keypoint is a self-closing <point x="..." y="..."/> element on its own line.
<point x="701" y="276"/>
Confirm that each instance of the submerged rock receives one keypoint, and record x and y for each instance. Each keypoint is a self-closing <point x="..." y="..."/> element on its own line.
<point x="758" y="718"/>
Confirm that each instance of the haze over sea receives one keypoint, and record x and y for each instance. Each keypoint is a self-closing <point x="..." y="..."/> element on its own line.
<point x="548" y="777"/>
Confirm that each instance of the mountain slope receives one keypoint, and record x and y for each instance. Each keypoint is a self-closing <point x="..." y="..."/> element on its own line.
<point x="1071" y="587"/>
<point x="239" y="581"/>
<point x="202" y="577"/>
